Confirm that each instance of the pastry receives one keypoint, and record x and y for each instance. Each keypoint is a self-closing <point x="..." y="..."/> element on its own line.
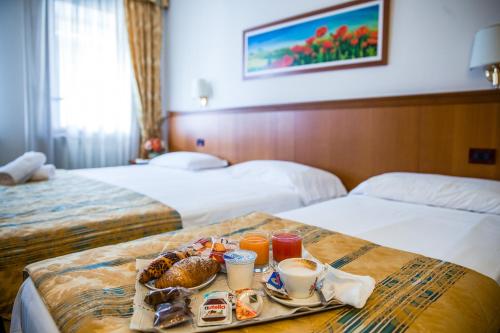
<point x="188" y="273"/>
<point x="161" y="264"/>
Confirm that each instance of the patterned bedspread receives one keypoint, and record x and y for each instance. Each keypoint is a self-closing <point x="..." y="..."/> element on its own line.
<point x="69" y="214"/>
<point x="93" y="290"/>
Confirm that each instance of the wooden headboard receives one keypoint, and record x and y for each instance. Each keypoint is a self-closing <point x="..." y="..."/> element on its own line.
<point x="355" y="139"/>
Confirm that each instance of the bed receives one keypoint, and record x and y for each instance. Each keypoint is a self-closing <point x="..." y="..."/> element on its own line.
<point x="203" y="196"/>
<point x="431" y="243"/>
<point x="83" y="209"/>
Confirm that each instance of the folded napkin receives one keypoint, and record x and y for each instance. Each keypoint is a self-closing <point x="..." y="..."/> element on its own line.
<point x="46" y="172"/>
<point x="347" y="288"/>
<point x="22" y="168"/>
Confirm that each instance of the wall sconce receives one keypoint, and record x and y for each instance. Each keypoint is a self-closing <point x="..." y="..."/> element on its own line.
<point x="201" y="90"/>
<point x="486" y="53"/>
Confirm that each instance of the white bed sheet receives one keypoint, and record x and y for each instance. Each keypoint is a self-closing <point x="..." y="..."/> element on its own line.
<point x="200" y="197"/>
<point x="465" y="238"/>
<point x="30" y="315"/>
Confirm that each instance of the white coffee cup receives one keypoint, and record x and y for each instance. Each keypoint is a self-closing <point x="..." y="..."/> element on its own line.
<point x="299" y="276"/>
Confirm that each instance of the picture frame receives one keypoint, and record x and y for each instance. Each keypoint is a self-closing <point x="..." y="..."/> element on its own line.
<point x="348" y="35"/>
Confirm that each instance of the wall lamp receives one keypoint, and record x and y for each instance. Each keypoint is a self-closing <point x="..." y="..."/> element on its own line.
<point x="201" y="90"/>
<point x="486" y="53"/>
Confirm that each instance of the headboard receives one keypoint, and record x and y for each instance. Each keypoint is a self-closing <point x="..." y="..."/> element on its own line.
<point x="355" y="139"/>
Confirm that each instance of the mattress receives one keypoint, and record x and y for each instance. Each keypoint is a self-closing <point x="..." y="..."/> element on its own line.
<point x="199" y="196"/>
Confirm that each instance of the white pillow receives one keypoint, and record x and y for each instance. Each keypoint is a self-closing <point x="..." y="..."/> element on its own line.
<point x="312" y="185"/>
<point x="472" y="194"/>
<point x="188" y="161"/>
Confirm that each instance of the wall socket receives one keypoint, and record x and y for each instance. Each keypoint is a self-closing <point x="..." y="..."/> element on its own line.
<point x="482" y="156"/>
<point x="200" y="142"/>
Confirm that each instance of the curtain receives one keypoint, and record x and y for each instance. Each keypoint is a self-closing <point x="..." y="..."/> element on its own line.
<point x="145" y="29"/>
<point x="93" y="111"/>
<point x="161" y="3"/>
<point x="82" y="96"/>
<point x="38" y="15"/>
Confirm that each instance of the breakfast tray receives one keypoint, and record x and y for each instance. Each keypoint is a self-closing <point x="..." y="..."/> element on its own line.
<point x="142" y="319"/>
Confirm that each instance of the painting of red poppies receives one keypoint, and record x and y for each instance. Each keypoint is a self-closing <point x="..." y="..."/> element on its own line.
<point x="349" y="35"/>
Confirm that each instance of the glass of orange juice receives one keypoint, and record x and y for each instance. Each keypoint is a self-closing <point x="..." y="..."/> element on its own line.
<point x="258" y="242"/>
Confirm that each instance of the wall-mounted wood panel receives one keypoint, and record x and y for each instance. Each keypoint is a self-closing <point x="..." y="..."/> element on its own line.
<point x="354" y="139"/>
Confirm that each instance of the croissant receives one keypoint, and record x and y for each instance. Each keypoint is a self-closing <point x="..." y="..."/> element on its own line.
<point x="161" y="264"/>
<point x="188" y="273"/>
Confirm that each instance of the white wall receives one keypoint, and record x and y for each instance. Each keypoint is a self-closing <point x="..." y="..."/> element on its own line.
<point x="12" y="139"/>
<point x="429" y="49"/>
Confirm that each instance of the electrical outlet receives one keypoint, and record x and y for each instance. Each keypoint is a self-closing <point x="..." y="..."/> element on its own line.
<point x="482" y="156"/>
<point x="200" y="142"/>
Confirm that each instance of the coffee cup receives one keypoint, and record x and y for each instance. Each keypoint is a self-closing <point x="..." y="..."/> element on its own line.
<point x="299" y="276"/>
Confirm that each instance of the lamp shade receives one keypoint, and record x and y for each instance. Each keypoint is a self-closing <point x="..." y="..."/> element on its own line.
<point x="486" y="47"/>
<point x="200" y="88"/>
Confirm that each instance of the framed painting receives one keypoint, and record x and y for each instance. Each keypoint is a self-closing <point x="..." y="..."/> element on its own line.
<point x="349" y="35"/>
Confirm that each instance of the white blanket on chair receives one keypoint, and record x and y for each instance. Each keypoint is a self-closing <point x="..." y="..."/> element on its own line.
<point x="22" y="168"/>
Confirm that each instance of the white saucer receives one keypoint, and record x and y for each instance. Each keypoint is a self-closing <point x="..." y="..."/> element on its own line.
<point x="309" y="302"/>
<point x="151" y="284"/>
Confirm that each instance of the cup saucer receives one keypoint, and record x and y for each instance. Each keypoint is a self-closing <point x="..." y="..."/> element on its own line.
<point x="309" y="302"/>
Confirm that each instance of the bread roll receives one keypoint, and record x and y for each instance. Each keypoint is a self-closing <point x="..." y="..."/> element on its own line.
<point x="161" y="264"/>
<point x="188" y="273"/>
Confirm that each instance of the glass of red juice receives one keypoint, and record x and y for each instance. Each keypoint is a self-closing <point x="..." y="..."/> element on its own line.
<point x="286" y="244"/>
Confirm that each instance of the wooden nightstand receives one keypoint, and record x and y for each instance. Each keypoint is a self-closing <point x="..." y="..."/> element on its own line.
<point x="139" y="161"/>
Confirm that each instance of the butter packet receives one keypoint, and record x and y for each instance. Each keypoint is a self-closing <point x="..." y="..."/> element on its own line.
<point x="216" y="309"/>
<point x="249" y="304"/>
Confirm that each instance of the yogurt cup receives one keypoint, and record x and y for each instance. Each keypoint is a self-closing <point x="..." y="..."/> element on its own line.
<point x="239" y="267"/>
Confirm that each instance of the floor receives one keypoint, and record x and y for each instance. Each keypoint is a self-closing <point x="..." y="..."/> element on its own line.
<point x="5" y="327"/>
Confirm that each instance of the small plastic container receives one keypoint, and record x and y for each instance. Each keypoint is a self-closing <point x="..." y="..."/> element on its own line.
<point x="239" y="267"/>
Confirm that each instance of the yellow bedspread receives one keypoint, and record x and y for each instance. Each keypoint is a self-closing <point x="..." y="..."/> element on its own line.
<point x="93" y="290"/>
<point x="69" y="214"/>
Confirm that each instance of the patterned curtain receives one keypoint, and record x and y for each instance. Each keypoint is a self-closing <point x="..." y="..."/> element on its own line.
<point x="145" y="28"/>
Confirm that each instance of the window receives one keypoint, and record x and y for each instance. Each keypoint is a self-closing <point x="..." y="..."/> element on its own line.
<point x="92" y="77"/>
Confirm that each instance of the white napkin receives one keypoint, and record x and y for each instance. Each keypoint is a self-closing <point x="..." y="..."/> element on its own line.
<point x="45" y="172"/>
<point x="22" y="168"/>
<point x="347" y="288"/>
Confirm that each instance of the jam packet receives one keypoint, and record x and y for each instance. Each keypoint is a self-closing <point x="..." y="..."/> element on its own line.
<point x="220" y="246"/>
<point x="231" y="297"/>
<point x="216" y="309"/>
<point x="249" y="304"/>
<point x="202" y="247"/>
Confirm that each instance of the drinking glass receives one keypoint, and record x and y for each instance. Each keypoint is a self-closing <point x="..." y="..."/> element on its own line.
<point x="286" y="244"/>
<point x="259" y="243"/>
